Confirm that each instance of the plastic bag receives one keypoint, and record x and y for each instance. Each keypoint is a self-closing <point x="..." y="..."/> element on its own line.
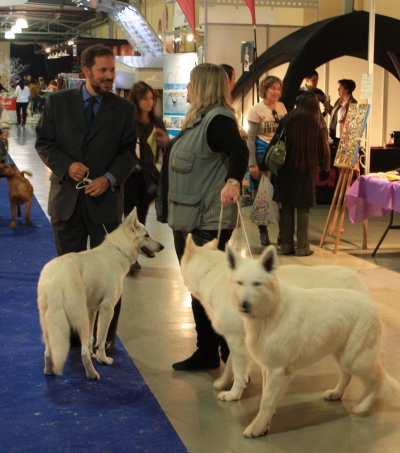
<point x="265" y="210"/>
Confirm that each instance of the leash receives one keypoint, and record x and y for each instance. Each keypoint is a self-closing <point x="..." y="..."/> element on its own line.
<point x="82" y="184"/>
<point x="239" y="218"/>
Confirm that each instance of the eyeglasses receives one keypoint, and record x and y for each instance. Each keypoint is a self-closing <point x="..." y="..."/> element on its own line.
<point x="276" y="116"/>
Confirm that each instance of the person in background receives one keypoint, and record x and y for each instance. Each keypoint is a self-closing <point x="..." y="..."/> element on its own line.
<point x="34" y="96"/>
<point x="339" y="111"/>
<point x="141" y="186"/>
<point x="42" y="84"/>
<point x="263" y="119"/>
<point x="88" y="132"/>
<point x="5" y="125"/>
<point x="22" y="93"/>
<point x="231" y="75"/>
<point x="307" y="148"/>
<point x="53" y="85"/>
<point x="2" y="87"/>
<point x="311" y="86"/>
<point x="202" y="169"/>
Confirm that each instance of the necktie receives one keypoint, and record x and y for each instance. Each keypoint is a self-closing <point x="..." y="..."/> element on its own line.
<point x="90" y="112"/>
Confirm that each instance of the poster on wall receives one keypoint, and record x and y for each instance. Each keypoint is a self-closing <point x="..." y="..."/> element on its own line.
<point x="177" y="68"/>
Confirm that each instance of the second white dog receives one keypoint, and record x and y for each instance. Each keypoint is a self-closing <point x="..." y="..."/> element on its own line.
<point x="205" y="273"/>
<point x="289" y="328"/>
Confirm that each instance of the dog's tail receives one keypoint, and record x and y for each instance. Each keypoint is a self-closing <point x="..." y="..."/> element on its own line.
<point x="389" y="388"/>
<point x="26" y="172"/>
<point x="55" y="325"/>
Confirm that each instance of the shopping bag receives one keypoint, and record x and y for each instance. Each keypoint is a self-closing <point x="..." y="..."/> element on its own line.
<point x="265" y="210"/>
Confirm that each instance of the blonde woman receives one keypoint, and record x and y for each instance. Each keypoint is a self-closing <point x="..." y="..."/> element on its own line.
<point x="202" y="169"/>
<point x="263" y="121"/>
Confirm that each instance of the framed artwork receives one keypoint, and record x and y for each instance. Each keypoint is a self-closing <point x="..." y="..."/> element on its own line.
<point x="353" y="130"/>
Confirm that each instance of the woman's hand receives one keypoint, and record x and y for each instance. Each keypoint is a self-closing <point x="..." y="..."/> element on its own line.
<point x="162" y="138"/>
<point x="255" y="171"/>
<point x="230" y="192"/>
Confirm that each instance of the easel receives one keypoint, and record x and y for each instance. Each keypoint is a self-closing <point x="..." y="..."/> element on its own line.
<point x="348" y="160"/>
<point x="339" y="203"/>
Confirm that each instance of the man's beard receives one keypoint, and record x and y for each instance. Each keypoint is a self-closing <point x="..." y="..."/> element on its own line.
<point x="97" y="87"/>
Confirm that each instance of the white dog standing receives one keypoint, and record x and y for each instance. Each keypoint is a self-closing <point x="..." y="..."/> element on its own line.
<point x="288" y="328"/>
<point x="74" y="287"/>
<point x="205" y="273"/>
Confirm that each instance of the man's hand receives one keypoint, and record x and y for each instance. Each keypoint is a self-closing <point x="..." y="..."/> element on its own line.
<point x="230" y="193"/>
<point x="77" y="171"/>
<point x="97" y="186"/>
<point x="5" y="135"/>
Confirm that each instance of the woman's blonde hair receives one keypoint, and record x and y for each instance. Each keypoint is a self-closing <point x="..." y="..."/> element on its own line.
<point x="208" y="87"/>
<point x="266" y="83"/>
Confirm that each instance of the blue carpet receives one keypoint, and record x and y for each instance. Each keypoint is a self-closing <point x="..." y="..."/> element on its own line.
<point x="67" y="413"/>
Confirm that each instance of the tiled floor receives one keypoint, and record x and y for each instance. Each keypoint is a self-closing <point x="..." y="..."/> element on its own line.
<point x="156" y="327"/>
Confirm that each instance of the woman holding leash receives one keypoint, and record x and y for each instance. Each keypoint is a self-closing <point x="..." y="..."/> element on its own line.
<point x="306" y="137"/>
<point x="202" y="169"/>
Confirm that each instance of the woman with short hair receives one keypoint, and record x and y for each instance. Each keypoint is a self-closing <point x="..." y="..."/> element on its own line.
<point x="263" y="119"/>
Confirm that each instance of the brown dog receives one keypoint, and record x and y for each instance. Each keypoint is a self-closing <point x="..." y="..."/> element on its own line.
<point x="20" y="192"/>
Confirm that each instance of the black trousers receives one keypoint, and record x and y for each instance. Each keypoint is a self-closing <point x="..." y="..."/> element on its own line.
<point x="73" y="235"/>
<point x="23" y="106"/>
<point x="135" y="195"/>
<point x="208" y="341"/>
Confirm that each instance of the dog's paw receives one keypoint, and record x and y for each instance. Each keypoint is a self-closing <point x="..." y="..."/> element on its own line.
<point x="12" y="225"/>
<point x="255" y="430"/>
<point x="361" y="409"/>
<point x="29" y="223"/>
<point x="92" y="375"/>
<point x="50" y="371"/>
<point x="229" y="396"/>
<point x="103" y="359"/>
<point x="331" y="395"/>
<point x="222" y="384"/>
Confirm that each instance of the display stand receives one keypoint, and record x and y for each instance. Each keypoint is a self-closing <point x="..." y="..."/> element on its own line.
<point x="338" y="207"/>
<point x="348" y="161"/>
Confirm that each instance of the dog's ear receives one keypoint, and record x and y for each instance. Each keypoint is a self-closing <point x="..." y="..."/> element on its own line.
<point x="212" y="245"/>
<point x="269" y="259"/>
<point x="132" y="218"/>
<point x="189" y="245"/>
<point x="232" y="256"/>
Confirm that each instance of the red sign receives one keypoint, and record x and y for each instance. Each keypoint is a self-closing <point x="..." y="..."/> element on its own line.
<point x="8" y="103"/>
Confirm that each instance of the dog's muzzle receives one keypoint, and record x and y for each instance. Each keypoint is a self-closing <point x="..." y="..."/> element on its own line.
<point x="147" y="252"/>
<point x="245" y="307"/>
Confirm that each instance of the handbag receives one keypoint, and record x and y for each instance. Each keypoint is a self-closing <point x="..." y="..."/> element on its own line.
<point x="265" y="210"/>
<point x="276" y="155"/>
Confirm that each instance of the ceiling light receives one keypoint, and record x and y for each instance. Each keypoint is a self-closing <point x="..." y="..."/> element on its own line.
<point x="190" y="37"/>
<point x="16" y="29"/>
<point x="48" y="50"/>
<point x="22" y="23"/>
<point x="9" y="35"/>
<point x="70" y="42"/>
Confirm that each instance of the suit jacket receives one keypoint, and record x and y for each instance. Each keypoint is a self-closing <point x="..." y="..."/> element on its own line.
<point x="62" y="138"/>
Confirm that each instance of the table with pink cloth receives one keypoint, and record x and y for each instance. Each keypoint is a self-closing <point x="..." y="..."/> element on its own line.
<point x="373" y="197"/>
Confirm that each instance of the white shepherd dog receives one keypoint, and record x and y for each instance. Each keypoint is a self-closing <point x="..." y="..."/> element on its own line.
<point x="289" y="328"/>
<point x="74" y="287"/>
<point x="205" y="273"/>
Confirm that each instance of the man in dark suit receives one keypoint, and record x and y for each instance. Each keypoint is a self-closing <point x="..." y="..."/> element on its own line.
<point x="88" y="133"/>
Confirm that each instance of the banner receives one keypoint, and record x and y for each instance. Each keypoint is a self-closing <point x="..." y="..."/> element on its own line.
<point x="187" y="6"/>
<point x="250" y="4"/>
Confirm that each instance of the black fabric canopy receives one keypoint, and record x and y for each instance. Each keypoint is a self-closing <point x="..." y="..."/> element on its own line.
<point x="316" y="44"/>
